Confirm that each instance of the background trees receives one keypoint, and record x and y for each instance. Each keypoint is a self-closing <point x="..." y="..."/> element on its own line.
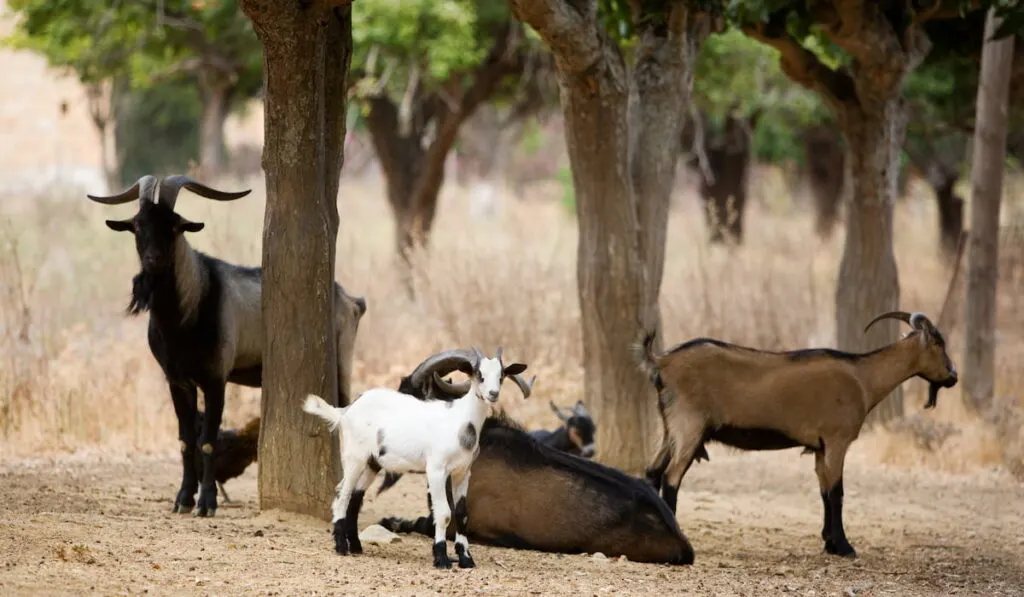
<point x="146" y="45"/>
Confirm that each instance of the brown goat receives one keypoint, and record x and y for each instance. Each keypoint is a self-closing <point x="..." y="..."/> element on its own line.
<point x="524" y="494"/>
<point x="758" y="400"/>
<point x="527" y="495"/>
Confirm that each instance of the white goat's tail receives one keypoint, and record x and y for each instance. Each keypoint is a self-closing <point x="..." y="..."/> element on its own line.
<point x="316" y="405"/>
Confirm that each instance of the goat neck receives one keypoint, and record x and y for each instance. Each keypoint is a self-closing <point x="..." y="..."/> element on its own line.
<point x="883" y="370"/>
<point x="189" y="278"/>
<point x="474" y="406"/>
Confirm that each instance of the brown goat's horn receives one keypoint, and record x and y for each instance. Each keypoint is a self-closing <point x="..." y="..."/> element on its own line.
<point x="442" y="363"/>
<point x="524" y="386"/>
<point x="900" y="315"/>
<point x="143" y="188"/>
<point x="172" y="185"/>
<point x="455" y="389"/>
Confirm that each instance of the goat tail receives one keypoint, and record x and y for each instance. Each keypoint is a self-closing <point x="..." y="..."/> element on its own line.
<point x="643" y="353"/>
<point x="316" y="405"/>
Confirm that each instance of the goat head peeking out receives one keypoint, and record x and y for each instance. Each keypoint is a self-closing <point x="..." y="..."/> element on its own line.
<point x="933" y="364"/>
<point x="205" y="323"/>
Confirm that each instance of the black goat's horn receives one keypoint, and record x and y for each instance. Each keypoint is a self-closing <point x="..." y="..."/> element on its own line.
<point x="172" y="185"/>
<point x="142" y="189"/>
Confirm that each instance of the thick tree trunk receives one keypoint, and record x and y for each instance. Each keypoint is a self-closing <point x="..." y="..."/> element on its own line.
<point x="986" y="194"/>
<point x="659" y="102"/>
<point x="868" y="283"/>
<point x="617" y="292"/>
<point x="307" y="50"/>
<point x="213" y="153"/>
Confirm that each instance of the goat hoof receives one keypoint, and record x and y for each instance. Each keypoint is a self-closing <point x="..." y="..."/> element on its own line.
<point x="841" y="548"/>
<point x="355" y="547"/>
<point x="202" y="512"/>
<point x="465" y="560"/>
<point x="441" y="559"/>
<point x="340" y="541"/>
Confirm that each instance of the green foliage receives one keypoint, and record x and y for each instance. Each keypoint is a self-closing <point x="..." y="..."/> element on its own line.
<point x="564" y="177"/>
<point x="736" y="73"/>
<point x="157" y="129"/>
<point x="145" y="40"/>
<point x="436" y="38"/>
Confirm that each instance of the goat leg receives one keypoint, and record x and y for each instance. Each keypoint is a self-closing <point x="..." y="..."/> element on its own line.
<point x="213" y="393"/>
<point x="438" y="483"/>
<point x="340" y="507"/>
<point x="837" y="544"/>
<point x="461" y="514"/>
<point x="184" y="397"/>
<point x="227" y="500"/>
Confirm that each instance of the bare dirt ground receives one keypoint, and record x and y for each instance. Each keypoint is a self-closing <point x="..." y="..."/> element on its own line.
<point x="87" y="525"/>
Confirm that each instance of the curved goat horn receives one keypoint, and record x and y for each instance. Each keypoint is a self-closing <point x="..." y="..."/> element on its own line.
<point x="558" y="411"/>
<point x="455" y="389"/>
<point x="900" y="315"/>
<point x="442" y="362"/>
<point x="525" y="387"/>
<point x="479" y="356"/>
<point x="143" y="188"/>
<point x="171" y="186"/>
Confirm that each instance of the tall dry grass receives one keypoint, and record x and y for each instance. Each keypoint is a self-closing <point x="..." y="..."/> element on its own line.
<point x="76" y="372"/>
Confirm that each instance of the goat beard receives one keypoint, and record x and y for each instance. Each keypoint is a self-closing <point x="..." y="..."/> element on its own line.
<point x="933" y="392"/>
<point x="142" y="293"/>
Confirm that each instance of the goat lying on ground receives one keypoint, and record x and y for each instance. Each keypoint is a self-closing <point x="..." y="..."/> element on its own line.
<point x="385" y="429"/>
<point x="575" y="436"/>
<point x="759" y="400"/>
<point x="526" y="495"/>
<point x="233" y="452"/>
<point x="205" y="323"/>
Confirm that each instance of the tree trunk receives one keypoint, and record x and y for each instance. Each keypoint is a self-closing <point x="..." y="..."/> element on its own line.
<point x="986" y="194"/>
<point x="307" y="50"/>
<point x="401" y="160"/>
<point x="825" y="171"/>
<point x="951" y="216"/>
<point x="868" y="284"/>
<point x="610" y="126"/>
<point x="213" y="157"/>
<point x="659" y="103"/>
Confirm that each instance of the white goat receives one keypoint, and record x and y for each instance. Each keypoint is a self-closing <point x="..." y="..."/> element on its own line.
<point x="399" y="433"/>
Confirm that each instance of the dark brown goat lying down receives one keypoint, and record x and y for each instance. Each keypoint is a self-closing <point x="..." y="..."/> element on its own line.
<point x="525" y="495"/>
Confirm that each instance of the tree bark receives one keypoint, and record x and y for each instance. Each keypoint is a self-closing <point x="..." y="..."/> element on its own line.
<point x="868" y="283"/>
<point x="613" y="124"/>
<point x="307" y="49"/>
<point x="986" y="193"/>
<point x="213" y="156"/>
<point x="825" y="171"/>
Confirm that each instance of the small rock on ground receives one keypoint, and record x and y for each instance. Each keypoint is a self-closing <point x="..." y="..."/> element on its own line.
<point x="378" y="535"/>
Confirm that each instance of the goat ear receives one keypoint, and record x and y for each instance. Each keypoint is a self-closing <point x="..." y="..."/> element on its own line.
<point x="514" y="369"/>
<point x="186" y="226"/>
<point x="121" y="225"/>
<point x="465" y="367"/>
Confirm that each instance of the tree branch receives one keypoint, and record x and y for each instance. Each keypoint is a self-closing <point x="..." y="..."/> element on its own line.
<point x="568" y="27"/>
<point x="800" y="64"/>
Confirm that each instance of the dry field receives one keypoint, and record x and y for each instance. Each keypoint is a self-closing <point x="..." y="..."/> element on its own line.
<point x="88" y="432"/>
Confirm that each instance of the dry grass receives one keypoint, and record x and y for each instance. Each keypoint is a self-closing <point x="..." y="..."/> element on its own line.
<point x="76" y="373"/>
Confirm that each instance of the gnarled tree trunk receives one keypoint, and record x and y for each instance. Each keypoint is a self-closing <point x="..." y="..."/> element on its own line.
<point x="986" y="193"/>
<point x="613" y="126"/>
<point x="307" y="48"/>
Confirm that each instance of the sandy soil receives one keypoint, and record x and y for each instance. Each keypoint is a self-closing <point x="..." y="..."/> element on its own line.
<point x="88" y="525"/>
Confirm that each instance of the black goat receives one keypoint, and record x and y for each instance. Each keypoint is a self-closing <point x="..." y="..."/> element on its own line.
<point x="575" y="436"/>
<point x="233" y="452"/>
<point x="205" y="324"/>
<point x="526" y="495"/>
